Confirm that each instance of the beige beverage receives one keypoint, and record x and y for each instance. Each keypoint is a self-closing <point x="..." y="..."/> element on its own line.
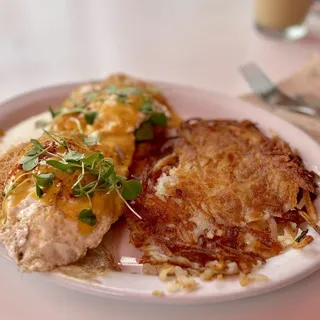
<point x="281" y="14"/>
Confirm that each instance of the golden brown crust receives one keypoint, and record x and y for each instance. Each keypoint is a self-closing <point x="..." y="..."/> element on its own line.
<point x="8" y="161"/>
<point x="217" y="196"/>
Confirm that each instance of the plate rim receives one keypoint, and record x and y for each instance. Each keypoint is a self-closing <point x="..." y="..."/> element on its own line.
<point x="15" y="103"/>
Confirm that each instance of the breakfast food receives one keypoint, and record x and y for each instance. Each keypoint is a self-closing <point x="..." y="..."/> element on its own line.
<point x="62" y="192"/>
<point x="59" y="201"/>
<point x="205" y="198"/>
<point x="220" y="198"/>
<point x="116" y="112"/>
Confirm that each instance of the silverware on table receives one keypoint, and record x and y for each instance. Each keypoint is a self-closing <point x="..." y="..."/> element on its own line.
<point x="268" y="92"/>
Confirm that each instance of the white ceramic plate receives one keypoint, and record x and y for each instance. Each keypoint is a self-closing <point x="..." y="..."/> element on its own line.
<point x="282" y="270"/>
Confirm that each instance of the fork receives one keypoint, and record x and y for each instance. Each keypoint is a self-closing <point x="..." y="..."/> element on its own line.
<point x="268" y="92"/>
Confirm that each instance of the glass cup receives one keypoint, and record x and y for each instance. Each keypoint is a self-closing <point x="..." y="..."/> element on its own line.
<point x="282" y="18"/>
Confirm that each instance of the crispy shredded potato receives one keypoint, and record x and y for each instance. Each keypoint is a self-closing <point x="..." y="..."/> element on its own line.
<point x="258" y="277"/>
<point x="220" y="199"/>
<point x="310" y="221"/>
<point x="244" y="280"/>
<point x="207" y="275"/>
<point x="7" y="161"/>
<point x="188" y="283"/>
<point x="158" y="293"/>
<point x="173" y="286"/>
<point x="220" y="276"/>
<point x="222" y="195"/>
<point x="309" y="205"/>
<point x="303" y="242"/>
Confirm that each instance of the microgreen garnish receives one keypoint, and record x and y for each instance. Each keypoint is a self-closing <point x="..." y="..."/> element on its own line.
<point x="91" y="140"/>
<point x="105" y="179"/>
<point x="78" y="108"/>
<point x="39" y="191"/>
<point x="90" y="116"/>
<point x="122" y="93"/>
<point x="14" y="185"/>
<point x="56" y="138"/>
<point x="101" y="173"/>
<point x="94" y="174"/>
<point x="112" y="89"/>
<point x="155" y="117"/>
<point x="55" y="113"/>
<point x="73" y="155"/>
<point x="29" y="162"/>
<point x="147" y="107"/>
<point x="63" y="111"/>
<point x="78" y="123"/>
<point x="131" y="189"/>
<point x="145" y="132"/>
<point x="122" y="98"/>
<point x="91" y="96"/>
<point x="43" y="181"/>
<point x="129" y="90"/>
<point x="88" y="217"/>
<point x="37" y="146"/>
<point x="92" y="158"/>
<point x="31" y="158"/>
<point x="158" y="118"/>
<point x="64" y="167"/>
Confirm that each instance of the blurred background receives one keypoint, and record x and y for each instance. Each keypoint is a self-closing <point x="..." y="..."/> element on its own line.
<point x="196" y="42"/>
